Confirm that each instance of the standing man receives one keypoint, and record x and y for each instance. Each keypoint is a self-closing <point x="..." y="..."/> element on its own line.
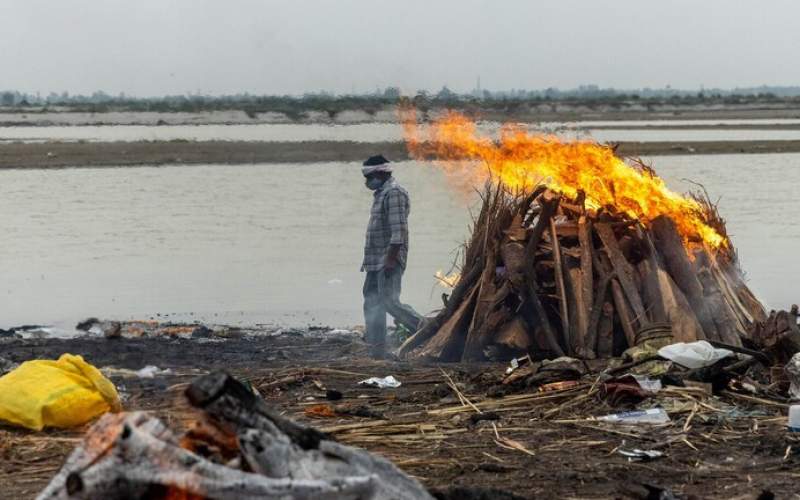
<point x="385" y="254"/>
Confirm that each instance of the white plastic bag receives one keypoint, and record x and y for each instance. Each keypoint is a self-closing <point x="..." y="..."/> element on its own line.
<point x="651" y="416"/>
<point x="792" y="370"/>
<point x="388" y="382"/>
<point x="694" y="354"/>
<point x="151" y="371"/>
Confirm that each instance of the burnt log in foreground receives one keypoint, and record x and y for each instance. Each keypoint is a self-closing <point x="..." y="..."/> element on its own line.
<point x="239" y="449"/>
<point x="543" y="275"/>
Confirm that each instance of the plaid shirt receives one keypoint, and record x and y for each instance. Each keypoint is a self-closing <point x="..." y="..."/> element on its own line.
<point x="388" y="225"/>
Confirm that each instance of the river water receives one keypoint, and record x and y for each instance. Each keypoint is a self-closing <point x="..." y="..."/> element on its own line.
<point x="377" y="132"/>
<point x="281" y="243"/>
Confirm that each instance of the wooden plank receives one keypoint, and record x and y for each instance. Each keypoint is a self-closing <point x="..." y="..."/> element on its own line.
<point x="605" y="331"/>
<point x="561" y="291"/>
<point x="624" y="273"/>
<point x="669" y="245"/>
<point x="448" y="343"/>
<point x="624" y="313"/>
<point x="549" y="203"/>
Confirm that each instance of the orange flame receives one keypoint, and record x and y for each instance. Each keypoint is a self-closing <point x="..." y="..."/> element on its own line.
<point x="522" y="160"/>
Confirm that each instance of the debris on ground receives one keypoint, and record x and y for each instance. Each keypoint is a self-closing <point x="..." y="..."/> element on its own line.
<point x="67" y="392"/>
<point x="151" y="371"/>
<point x="387" y="382"/>
<point x="793" y="372"/>
<point x="240" y="448"/>
<point x="461" y="427"/>
<point x="693" y="355"/>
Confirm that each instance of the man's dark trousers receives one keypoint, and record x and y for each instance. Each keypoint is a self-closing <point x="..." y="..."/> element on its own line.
<point x="381" y="296"/>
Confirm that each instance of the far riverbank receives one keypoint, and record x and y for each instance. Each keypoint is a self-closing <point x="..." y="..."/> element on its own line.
<point x="128" y="154"/>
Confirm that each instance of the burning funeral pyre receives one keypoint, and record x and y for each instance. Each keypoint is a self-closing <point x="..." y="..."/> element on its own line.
<point x="577" y="252"/>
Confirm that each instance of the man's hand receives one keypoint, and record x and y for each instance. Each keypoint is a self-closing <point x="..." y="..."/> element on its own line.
<point x="390" y="262"/>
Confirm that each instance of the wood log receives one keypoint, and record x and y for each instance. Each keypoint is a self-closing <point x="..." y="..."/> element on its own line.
<point x="678" y="311"/>
<point x="135" y="456"/>
<point x="624" y="274"/>
<point x="597" y="308"/>
<point x="587" y="273"/>
<point x="685" y="325"/>
<point x="563" y="305"/>
<point x="724" y="311"/>
<point x="448" y="343"/>
<point x="605" y="332"/>
<point x="728" y="327"/>
<point x="430" y="327"/>
<point x="666" y="297"/>
<point x="676" y="261"/>
<point x="727" y="286"/>
<point x="745" y="295"/>
<point x="302" y="452"/>
<point x="488" y="330"/>
<point x="625" y="316"/>
<point x="580" y="286"/>
<point x="778" y="335"/>
<point x="549" y="203"/>
<point x="231" y="403"/>
<point x="512" y="253"/>
<point x="514" y="335"/>
<point x="651" y="291"/>
<point x="579" y="313"/>
<point x="476" y="335"/>
<point x="567" y="229"/>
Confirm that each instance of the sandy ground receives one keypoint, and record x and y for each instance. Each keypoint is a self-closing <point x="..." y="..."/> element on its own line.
<point x="124" y="154"/>
<point x="543" y="446"/>
<point x="557" y="111"/>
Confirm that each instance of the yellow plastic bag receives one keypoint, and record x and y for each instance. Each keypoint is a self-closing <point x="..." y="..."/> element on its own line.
<point x="64" y="393"/>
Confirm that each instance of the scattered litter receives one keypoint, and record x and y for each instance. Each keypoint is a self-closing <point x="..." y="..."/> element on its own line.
<point x="489" y="415"/>
<point x="363" y="411"/>
<point x="694" y="354"/>
<point x="333" y="395"/>
<point x="339" y="331"/>
<point x="792" y="370"/>
<point x="320" y="411"/>
<point x="558" y="386"/>
<point x="151" y="371"/>
<point x="651" y="416"/>
<point x="47" y="393"/>
<point x="648" y="384"/>
<point x="637" y="455"/>
<point x="706" y="387"/>
<point x="794" y="418"/>
<point x="388" y="382"/>
<point x="624" y="391"/>
<point x="516" y="363"/>
<point x="6" y="366"/>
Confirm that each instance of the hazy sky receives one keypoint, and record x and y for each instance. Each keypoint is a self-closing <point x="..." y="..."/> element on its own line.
<point x="151" y="47"/>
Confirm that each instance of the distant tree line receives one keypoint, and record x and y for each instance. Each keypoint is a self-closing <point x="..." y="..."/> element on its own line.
<point x="295" y="105"/>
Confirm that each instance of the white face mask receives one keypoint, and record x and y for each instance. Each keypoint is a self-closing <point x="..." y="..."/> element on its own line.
<point x="374" y="183"/>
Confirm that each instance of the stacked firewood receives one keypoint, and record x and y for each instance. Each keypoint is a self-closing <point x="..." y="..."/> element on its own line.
<point x="544" y="275"/>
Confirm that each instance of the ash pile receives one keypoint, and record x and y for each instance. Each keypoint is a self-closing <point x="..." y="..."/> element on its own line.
<point x="545" y="275"/>
<point x="237" y="447"/>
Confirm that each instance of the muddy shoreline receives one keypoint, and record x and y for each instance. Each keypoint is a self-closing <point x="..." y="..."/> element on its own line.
<point x="129" y="154"/>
